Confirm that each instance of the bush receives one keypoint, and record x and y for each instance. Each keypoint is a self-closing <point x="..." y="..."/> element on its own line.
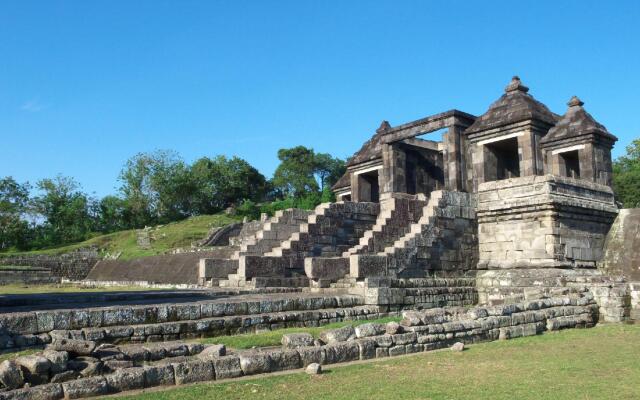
<point x="248" y="209"/>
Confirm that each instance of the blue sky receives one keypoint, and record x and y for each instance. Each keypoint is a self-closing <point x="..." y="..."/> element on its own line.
<point x="85" y="85"/>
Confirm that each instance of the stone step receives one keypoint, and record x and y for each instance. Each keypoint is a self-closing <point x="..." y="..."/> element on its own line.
<point x="223" y="325"/>
<point x="45" y="321"/>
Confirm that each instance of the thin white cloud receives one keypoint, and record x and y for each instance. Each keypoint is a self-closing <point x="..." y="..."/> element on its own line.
<point x="33" y="105"/>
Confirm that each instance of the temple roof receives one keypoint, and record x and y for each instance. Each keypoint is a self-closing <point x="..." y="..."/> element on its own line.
<point x="515" y="105"/>
<point x="370" y="150"/>
<point x="576" y="122"/>
<point x="343" y="182"/>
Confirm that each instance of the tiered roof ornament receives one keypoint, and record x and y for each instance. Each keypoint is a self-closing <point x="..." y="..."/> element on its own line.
<point x="577" y="123"/>
<point x="515" y="105"/>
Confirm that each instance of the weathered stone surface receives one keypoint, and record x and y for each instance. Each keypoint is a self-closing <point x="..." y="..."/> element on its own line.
<point x="382" y="352"/>
<point x="138" y="353"/>
<point x="126" y="379"/>
<point x="51" y="391"/>
<point x="195" y="348"/>
<point x="65" y="376"/>
<point x="397" y="350"/>
<point x="367" y="348"/>
<point x="295" y="340"/>
<point x="282" y="360"/>
<point x="76" y="347"/>
<point x="80" y="363"/>
<point x="255" y="363"/>
<point x="86" y="387"/>
<point x="193" y="371"/>
<point x="106" y="352"/>
<point x="370" y="329"/>
<point x="34" y="364"/>
<point x="337" y="335"/>
<point x="392" y="328"/>
<point x="310" y="355"/>
<point x="158" y="375"/>
<point x="114" y="365"/>
<point x="216" y="350"/>
<point x="384" y="340"/>
<point x="10" y="375"/>
<point x="226" y="367"/>
<point x="57" y="359"/>
<point x="411" y="318"/>
<point x="340" y="352"/>
<point x="458" y="346"/>
<point x="313" y="369"/>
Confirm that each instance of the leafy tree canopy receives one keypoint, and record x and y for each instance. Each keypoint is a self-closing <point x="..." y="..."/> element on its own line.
<point x="626" y="176"/>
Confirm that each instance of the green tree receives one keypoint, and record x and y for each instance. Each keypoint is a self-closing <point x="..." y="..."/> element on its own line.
<point x="65" y="211"/>
<point x="111" y="214"/>
<point x="221" y="182"/>
<point x="626" y="176"/>
<point x="14" y="202"/>
<point x="156" y="188"/>
<point x="328" y="169"/>
<point x="295" y="176"/>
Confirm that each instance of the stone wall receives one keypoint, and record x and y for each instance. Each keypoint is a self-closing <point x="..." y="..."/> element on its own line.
<point x="75" y="265"/>
<point x="402" y="294"/>
<point x="418" y="331"/>
<point x="165" y="269"/>
<point x="622" y="246"/>
<point x="543" y="222"/>
<point x="30" y="276"/>
<point x="158" y="322"/>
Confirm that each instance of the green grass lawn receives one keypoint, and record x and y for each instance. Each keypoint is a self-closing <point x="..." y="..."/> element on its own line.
<point x="273" y="338"/>
<point x="34" y="289"/>
<point x="167" y="237"/>
<point x="598" y="363"/>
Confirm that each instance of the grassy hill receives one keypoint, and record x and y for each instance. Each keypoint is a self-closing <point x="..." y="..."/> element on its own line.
<point x="165" y="238"/>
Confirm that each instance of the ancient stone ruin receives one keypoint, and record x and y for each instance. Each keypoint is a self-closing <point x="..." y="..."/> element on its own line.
<point x="507" y="227"/>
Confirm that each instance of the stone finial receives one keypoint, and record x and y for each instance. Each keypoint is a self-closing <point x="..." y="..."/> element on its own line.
<point x="575" y="102"/>
<point x="384" y="125"/>
<point x="516" y="86"/>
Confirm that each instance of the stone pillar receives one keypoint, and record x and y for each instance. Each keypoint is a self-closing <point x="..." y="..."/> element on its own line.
<point x="587" y="167"/>
<point x="453" y="160"/>
<point x="355" y="188"/>
<point x="477" y="153"/>
<point x="527" y="154"/>
<point x="393" y="170"/>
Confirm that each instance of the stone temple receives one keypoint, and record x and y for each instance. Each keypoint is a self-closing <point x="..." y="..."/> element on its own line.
<point x="509" y="204"/>
<point x="506" y="227"/>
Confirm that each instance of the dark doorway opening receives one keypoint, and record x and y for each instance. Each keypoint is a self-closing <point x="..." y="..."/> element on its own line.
<point x="368" y="187"/>
<point x="571" y="162"/>
<point x="502" y="160"/>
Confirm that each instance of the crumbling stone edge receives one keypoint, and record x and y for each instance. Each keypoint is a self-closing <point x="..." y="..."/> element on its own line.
<point x="418" y="331"/>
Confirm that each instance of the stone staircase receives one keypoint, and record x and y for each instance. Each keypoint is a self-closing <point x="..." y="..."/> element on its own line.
<point x="396" y="216"/>
<point x="333" y="227"/>
<point x="440" y="242"/>
<point x="330" y="230"/>
<point x="395" y="219"/>
<point x="213" y="270"/>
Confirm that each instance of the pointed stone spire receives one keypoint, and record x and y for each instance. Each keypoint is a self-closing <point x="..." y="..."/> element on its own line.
<point x="516" y="86"/>
<point x="384" y="126"/>
<point x="575" y="102"/>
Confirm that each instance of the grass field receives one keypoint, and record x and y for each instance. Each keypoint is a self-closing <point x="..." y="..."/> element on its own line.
<point x="34" y="289"/>
<point x="598" y="363"/>
<point x="273" y="338"/>
<point x="167" y="237"/>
